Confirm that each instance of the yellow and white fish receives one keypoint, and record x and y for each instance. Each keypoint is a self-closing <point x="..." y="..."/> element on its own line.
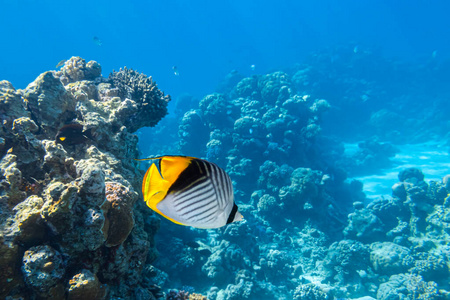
<point x="190" y="191"/>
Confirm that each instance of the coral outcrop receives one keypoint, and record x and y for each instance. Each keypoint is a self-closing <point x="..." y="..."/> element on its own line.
<point x="70" y="225"/>
<point x="152" y="104"/>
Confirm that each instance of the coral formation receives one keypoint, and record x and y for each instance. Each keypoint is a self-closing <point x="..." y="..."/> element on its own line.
<point x="408" y="286"/>
<point x="389" y="258"/>
<point x="43" y="270"/>
<point x="69" y="218"/>
<point x="76" y="69"/>
<point x="309" y="292"/>
<point x="309" y="233"/>
<point x="183" y="295"/>
<point x="118" y="209"/>
<point x="85" y="285"/>
<point x="146" y="104"/>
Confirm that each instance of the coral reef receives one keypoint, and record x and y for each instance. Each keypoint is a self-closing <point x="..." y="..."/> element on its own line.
<point x="408" y="286"/>
<point x="254" y="129"/>
<point x="70" y="225"/>
<point x="309" y="233"/>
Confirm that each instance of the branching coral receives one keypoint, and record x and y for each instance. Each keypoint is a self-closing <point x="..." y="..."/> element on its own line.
<point x="150" y="102"/>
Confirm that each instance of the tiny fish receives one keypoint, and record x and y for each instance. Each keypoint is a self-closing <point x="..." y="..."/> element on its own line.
<point x="73" y="134"/>
<point x="61" y="63"/>
<point x="190" y="191"/>
<point x="97" y="41"/>
<point x="175" y="71"/>
<point x="252" y="67"/>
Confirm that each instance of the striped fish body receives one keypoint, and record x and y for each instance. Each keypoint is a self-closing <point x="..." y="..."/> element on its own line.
<point x="190" y="191"/>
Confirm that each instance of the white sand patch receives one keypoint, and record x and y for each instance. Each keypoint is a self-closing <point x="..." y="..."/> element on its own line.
<point x="432" y="158"/>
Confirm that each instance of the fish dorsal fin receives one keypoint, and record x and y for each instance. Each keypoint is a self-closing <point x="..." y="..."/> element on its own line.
<point x="172" y="166"/>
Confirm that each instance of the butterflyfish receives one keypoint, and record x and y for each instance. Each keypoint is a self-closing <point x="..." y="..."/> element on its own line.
<point x="190" y="191"/>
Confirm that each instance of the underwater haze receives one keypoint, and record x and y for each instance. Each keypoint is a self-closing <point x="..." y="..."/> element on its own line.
<point x="208" y="39"/>
<point x="297" y="150"/>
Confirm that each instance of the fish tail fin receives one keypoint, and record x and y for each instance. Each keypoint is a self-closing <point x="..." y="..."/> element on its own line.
<point x="88" y="133"/>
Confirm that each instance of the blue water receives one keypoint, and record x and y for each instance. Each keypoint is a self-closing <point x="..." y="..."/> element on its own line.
<point x="208" y="39"/>
<point x="383" y="66"/>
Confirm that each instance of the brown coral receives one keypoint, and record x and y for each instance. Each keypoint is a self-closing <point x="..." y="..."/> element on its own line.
<point x="58" y="205"/>
<point x="9" y="169"/>
<point x="118" y="212"/>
